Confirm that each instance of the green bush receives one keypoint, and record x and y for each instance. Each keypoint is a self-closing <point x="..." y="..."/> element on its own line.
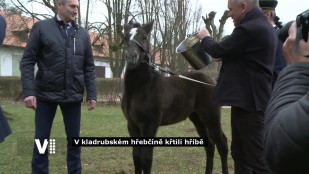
<point x="10" y="87"/>
<point x="109" y="90"/>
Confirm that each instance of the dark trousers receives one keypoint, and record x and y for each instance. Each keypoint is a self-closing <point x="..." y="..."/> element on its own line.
<point x="5" y="129"/>
<point x="247" y="141"/>
<point x="44" y="117"/>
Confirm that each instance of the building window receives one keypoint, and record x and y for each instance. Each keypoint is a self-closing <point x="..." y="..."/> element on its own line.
<point x="16" y="65"/>
<point x="22" y="35"/>
<point x="98" y="48"/>
<point x="100" y="71"/>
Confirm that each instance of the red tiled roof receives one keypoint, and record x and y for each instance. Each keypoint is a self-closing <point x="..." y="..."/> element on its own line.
<point x="16" y="24"/>
<point x="101" y="47"/>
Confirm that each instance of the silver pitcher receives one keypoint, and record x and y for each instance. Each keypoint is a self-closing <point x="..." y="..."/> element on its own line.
<point x="190" y="49"/>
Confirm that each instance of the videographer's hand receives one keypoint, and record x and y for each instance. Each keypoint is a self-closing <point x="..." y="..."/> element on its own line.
<point x="289" y="49"/>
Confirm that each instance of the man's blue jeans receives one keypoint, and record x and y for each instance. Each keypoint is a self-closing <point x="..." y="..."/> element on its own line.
<point x="44" y="117"/>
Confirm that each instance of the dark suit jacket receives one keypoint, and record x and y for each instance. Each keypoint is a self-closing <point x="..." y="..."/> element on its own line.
<point x="2" y="29"/>
<point x="65" y="63"/>
<point x="247" y="63"/>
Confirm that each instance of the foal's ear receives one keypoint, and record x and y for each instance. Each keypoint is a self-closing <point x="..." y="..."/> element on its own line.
<point x="148" y="27"/>
<point x="127" y="27"/>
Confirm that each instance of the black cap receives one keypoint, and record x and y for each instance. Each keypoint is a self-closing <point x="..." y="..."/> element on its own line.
<point x="268" y="4"/>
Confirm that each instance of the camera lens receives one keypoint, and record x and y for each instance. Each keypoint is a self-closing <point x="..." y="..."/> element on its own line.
<point x="284" y="31"/>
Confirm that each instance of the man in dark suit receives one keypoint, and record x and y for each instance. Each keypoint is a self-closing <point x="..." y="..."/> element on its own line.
<point x="5" y="129"/>
<point x="62" y="50"/>
<point x="2" y="29"/>
<point x="245" y="80"/>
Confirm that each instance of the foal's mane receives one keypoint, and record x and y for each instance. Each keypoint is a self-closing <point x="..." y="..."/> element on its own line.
<point x="136" y="25"/>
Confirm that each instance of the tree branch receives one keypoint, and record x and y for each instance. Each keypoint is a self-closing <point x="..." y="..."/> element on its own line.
<point x="48" y="4"/>
<point x="222" y="23"/>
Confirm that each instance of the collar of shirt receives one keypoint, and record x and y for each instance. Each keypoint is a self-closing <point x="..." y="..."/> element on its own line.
<point x="59" y="19"/>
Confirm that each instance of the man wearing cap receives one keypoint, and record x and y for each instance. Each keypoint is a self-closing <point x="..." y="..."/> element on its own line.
<point x="268" y="7"/>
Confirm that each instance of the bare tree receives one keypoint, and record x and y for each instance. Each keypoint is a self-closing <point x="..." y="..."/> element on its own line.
<point x="24" y="7"/>
<point x="4" y="6"/>
<point x="117" y="15"/>
<point x="172" y="20"/>
<point x="212" y="28"/>
<point x="21" y="5"/>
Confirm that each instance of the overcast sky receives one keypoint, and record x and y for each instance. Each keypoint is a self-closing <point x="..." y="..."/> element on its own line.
<point x="286" y="10"/>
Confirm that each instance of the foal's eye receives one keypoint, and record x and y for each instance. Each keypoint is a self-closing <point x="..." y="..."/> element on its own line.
<point x="144" y="37"/>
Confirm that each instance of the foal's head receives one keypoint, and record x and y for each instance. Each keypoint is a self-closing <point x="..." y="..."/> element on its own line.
<point x="137" y="41"/>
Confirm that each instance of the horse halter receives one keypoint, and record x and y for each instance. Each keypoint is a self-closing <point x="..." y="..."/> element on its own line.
<point x="148" y="54"/>
<point x="157" y="69"/>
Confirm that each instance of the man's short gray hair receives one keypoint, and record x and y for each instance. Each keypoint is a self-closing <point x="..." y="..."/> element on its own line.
<point x="62" y="1"/>
<point x="250" y="3"/>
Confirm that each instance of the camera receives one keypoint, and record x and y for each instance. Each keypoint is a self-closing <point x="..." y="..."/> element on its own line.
<point x="302" y="22"/>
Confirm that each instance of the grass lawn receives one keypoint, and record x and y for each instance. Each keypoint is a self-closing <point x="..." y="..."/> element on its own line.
<point x="104" y="121"/>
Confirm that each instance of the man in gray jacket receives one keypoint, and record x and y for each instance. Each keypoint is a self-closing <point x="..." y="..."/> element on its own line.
<point x="62" y="50"/>
<point x="287" y="116"/>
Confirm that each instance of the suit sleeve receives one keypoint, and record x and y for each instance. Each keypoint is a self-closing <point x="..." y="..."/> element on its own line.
<point x="232" y="45"/>
<point x="89" y="71"/>
<point x="28" y="61"/>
